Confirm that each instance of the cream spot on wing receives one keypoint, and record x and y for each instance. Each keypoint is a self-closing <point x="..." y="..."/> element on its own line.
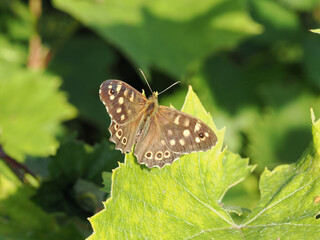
<point x="181" y="141"/>
<point x="186" y="133"/>
<point x="172" y="142"/>
<point x="186" y="122"/>
<point x="119" y="133"/>
<point x="110" y="86"/>
<point x="148" y="155"/>
<point x="121" y="100"/>
<point x="131" y="97"/>
<point x="198" y="140"/>
<point x="111" y="97"/>
<point x="197" y="127"/>
<point x="118" y="88"/>
<point x="159" y="156"/>
<point x="176" y="120"/>
<point x="166" y="154"/>
<point x="129" y="111"/>
<point x="126" y="92"/>
<point x="163" y="142"/>
<point x="119" y="110"/>
<point x="207" y="134"/>
<point x="122" y="117"/>
<point x="170" y="133"/>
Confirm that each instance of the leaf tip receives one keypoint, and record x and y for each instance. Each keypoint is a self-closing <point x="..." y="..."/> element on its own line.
<point x="315" y="30"/>
<point x="313" y="118"/>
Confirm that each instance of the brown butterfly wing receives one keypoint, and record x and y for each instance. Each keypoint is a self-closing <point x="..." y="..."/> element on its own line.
<point x="123" y="102"/>
<point x="184" y="133"/>
<point x="152" y="150"/>
<point x="123" y="135"/>
<point x="125" y="106"/>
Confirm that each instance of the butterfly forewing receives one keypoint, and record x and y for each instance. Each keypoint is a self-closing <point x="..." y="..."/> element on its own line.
<point x="123" y="102"/>
<point x="184" y="133"/>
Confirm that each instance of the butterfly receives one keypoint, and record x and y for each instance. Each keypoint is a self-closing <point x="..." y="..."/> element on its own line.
<point x="158" y="133"/>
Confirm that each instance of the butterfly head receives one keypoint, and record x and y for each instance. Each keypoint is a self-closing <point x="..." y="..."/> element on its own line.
<point x="155" y="94"/>
<point x="153" y="97"/>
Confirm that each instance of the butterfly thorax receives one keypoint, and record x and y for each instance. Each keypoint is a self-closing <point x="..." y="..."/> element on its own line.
<point x="152" y="105"/>
<point x="151" y="108"/>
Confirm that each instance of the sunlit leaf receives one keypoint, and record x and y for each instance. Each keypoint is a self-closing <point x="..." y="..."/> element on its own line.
<point x="178" y="201"/>
<point x="31" y="109"/>
<point x="315" y="30"/>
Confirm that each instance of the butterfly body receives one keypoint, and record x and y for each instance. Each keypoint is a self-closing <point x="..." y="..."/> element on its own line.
<point x="160" y="134"/>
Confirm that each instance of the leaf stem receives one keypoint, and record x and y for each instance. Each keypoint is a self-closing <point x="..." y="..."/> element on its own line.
<point x="19" y="169"/>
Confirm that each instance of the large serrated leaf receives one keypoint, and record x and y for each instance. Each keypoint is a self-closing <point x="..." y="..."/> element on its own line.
<point x="173" y="38"/>
<point x="183" y="200"/>
<point x="31" y="109"/>
<point x="287" y="208"/>
<point x="176" y="202"/>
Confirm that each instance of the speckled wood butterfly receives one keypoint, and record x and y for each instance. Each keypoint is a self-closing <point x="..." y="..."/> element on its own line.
<point x="160" y="134"/>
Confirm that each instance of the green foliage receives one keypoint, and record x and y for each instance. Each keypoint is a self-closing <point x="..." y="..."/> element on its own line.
<point x="315" y="30"/>
<point x="287" y="208"/>
<point x="187" y="196"/>
<point x="254" y="65"/>
<point x="20" y="218"/>
<point x="29" y="122"/>
<point x="137" y="28"/>
<point x="96" y="58"/>
<point x="75" y="178"/>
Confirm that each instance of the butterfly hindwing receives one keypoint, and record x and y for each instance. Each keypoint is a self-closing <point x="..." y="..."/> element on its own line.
<point x="123" y="102"/>
<point x="184" y="133"/>
<point x="123" y="135"/>
<point x="152" y="150"/>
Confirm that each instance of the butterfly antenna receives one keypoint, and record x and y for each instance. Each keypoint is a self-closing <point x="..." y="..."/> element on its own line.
<point x="145" y="79"/>
<point x="169" y="87"/>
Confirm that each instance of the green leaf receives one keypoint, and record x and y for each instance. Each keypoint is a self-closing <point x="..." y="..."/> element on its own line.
<point x="82" y="75"/>
<point x="20" y="218"/>
<point x="107" y="181"/>
<point x="174" y="38"/>
<point x="11" y="54"/>
<point x="315" y="30"/>
<point x="73" y="185"/>
<point x="183" y="200"/>
<point x="31" y="109"/>
<point x="287" y="207"/>
<point x="281" y="135"/>
<point x="177" y="201"/>
<point x="311" y="46"/>
<point x="305" y="5"/>
<point x="16" y="20"/>
<point x="280" y="23"/>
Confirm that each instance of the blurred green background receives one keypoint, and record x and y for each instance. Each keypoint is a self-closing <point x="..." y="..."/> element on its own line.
<point x="254" y="64"/>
